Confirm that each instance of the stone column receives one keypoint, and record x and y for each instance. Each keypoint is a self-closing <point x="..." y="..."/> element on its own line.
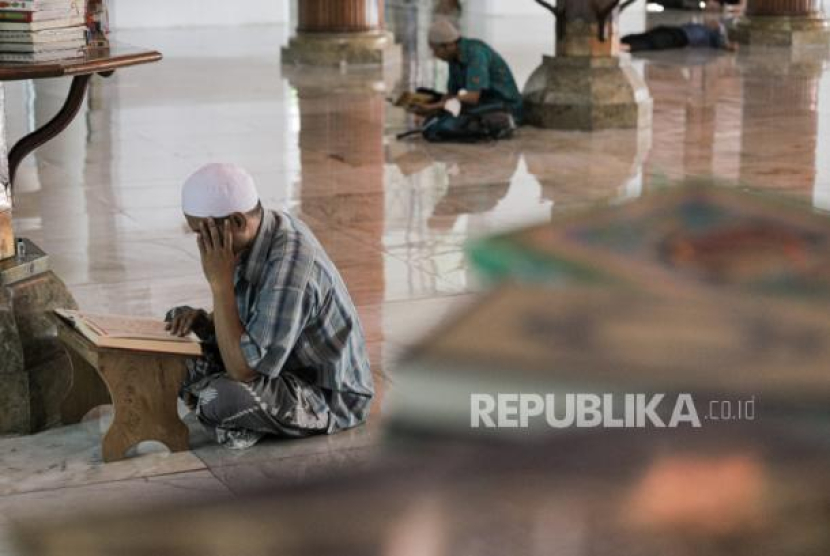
<point x="336" y="32"/>
<point x="791" y="23"/>
<point x="588" y="85"/>
<point x="35" y="371"/>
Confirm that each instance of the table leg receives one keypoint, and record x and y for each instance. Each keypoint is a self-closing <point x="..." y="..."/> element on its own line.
<point x="144" y="392"/>
<point x="8" y="166"/>
<point x="87" y="392"/>
<point x="64" y="117"/>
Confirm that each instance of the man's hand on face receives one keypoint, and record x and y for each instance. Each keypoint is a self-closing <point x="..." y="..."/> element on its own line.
<point x="216" y="250"/>
<point x="190" y="320"/>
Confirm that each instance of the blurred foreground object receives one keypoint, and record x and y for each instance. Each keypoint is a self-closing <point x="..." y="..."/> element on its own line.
<point x="752" y="491"/>
<point x="672" y="240"/>
<point x="612" y="345"/>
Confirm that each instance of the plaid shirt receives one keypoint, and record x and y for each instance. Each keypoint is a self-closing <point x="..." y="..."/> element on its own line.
<point x="298" y="317"/>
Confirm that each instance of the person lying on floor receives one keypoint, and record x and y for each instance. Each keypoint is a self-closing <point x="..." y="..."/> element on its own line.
<point x="482" y="100"/>
<point x="711" y="34"/>
<point x="285" y="353"/>
<point x="732" y="6"/>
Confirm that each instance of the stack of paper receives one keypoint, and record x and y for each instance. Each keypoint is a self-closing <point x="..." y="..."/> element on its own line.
<point x="41" y="30"/>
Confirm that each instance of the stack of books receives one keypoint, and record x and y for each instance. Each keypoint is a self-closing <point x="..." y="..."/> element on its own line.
<point x="41" y="30"/>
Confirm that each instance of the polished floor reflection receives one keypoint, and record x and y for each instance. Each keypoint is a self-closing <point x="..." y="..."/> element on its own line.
<point x="103" y="199"/>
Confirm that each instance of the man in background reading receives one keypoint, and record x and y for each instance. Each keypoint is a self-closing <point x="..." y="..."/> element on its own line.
<point x="285" y="351"/>
<point x="481" y="90"/>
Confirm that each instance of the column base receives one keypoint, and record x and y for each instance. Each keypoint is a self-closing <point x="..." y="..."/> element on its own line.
<point x="35" y="370"/>
<point x="14" y="381"/>
<point x="587" y="93"/>
<point x="792" y="31"/>
<point x="335" y="49"/>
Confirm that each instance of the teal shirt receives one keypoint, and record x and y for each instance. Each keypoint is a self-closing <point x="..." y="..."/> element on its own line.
<point x="479" y="68"/>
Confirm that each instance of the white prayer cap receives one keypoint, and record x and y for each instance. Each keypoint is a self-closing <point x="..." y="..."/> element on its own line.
<point x="443" y="32"/>
<point x="219" y="190"/>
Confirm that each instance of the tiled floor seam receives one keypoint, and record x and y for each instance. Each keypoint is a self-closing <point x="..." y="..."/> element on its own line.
<point x="95" y="483"/>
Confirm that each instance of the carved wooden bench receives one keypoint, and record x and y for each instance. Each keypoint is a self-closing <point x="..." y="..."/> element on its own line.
<point x="142" y="387"/>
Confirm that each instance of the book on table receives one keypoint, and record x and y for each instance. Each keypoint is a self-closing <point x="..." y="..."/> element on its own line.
<point x="46" y="15"/>
<point x="130" y="333"/>
<point x="41" y="5"/>
<point x="43" y="48"/>
<point x="47" y="36"/>
<point x="39" y="25"/>
<point x="47" y="56"/>
<point x="36" y="41"/>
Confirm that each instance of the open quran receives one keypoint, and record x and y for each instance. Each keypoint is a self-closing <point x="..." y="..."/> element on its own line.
<point x="409" y="99"/>
<point x="134" y="333"/>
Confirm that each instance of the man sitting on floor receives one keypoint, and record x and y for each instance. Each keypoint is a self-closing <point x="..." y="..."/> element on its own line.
<point x="482" y="100"/>
<point x="711" y="34"/>
<point x="284" y="349"/>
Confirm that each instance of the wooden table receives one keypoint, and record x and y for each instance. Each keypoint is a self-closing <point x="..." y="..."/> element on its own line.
<point x="103" y="61"/>
<point x="142" y="386"/>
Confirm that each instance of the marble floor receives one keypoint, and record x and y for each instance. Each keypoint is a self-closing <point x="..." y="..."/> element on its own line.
<point x="103" y="200"/>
